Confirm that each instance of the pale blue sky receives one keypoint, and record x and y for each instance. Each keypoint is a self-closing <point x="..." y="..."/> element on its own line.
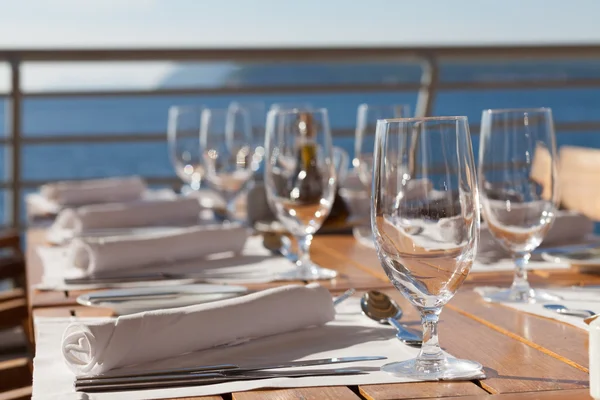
<point x="239" y="23"/>
<point x="41" y="23"/>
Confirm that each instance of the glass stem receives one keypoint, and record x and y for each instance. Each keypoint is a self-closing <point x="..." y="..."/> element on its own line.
<point x="430" y="350"/>
<point x="520" y="285"/>
<point x="304" y="242"/>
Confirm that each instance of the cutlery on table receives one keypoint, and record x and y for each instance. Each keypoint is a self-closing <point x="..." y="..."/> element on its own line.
<point x="348" y="293"/>
<point x="208" y="374"/>
<point x="204" y="379"/>
<point x="156" y="276"/>
<point x="381" y="308"/>
<point x="560" y="309"/>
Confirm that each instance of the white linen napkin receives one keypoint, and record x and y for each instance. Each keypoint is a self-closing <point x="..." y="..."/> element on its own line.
<point x="254" y="265"/>
<point x="91" y="349"/>
<point x="100" y="254"/>
<point x="74" y="193"/>
<point x="127" y="215"/>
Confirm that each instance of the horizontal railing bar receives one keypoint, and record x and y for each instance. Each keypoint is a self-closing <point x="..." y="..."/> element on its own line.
<point x="585" y="126"/>
<point x="114" y="138"/>
<point x="262" y="54"/>
<point x="521" y="84"/>
<point x="372" y="87"/>
<point x="151" y="180"/>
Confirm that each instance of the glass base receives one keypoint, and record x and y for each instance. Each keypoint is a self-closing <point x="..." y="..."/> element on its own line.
<point x="311" y="272"/>
<point x="513" y="295"/>
<point x="448" y="369"/>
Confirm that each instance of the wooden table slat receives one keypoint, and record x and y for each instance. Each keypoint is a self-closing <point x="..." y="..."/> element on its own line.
<point x="567" y="342"/>
<point x="310" y="393"/>
<point x="577" y="394"/>
<point x="420" y="390"/>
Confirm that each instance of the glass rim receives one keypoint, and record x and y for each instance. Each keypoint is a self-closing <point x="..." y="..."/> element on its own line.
<point x="462" y="118"/>
<point x="517" y="110"/>
<point x="298" y="110"/>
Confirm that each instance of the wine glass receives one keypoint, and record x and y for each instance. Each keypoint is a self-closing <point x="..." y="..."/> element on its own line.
<point x="426" y="245"/>
<point x="257" y="115"/>
<point x="300" y="179"/>
<point x="367" y="116"/>
<point x="519" y="191"/>
<point x="184" y="144"/>
<point x="226" y="137"/>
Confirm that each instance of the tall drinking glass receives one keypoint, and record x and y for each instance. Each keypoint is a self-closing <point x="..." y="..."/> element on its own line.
<point x="300" y="179"/>
<point x="426" y="245"/>
<point x="225" y="136"/>
<point x="257" y="115"/>
<point x="519" y="191"/>
<point x="367" y="116"/>
<point x="184" y="144"/>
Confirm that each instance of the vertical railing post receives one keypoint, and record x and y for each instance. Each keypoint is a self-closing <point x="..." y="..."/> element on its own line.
<point x="13" y="198"/>
<point x="428" y="91"/>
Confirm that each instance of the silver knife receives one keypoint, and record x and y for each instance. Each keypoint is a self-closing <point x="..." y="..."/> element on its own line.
<point x="203" y="379"/>
<point x="137" y="295"/>
<point x="229" y="368"/>
<point x="153" y="276"/>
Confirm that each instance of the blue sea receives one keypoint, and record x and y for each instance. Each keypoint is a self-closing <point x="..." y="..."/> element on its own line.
<point x="122" y="115"/>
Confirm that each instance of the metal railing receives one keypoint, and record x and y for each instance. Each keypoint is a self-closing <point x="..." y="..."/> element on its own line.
<point x="430" y="85"/>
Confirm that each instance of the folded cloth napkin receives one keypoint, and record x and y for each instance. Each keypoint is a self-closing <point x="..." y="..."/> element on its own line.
<point x="128" y="215"/>
<point x="569" y="228"/>
<point x="75" y="193"/>
<point x="101" y="254"/>
<point x="91" y="349"/>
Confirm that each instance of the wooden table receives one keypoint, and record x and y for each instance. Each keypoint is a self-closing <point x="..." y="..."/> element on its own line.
<point x="525" y="356"/>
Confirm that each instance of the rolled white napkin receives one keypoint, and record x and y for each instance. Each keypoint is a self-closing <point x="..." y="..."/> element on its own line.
<point x="76" y="193"/>
<point x="97" y="255"/>
<point x="91" y="349"/>
<point x="128" y="215"/>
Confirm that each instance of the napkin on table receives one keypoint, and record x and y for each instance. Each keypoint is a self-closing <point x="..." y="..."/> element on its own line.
<point x="76" y="193"/>
<point x="128" y="215"/>
<point x="101" y="254"/>
<point x="91" y="349"/>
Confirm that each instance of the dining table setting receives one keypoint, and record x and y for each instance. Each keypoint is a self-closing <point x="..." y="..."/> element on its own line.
<point x="284" y="268"/>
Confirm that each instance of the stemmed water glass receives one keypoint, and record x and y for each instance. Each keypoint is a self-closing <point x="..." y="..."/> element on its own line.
<point x="426" y="245"/>
<point x="519" y="196"/>
<point x="300" y="179"/>
<point x="184" y="145"/>
<point x="225" y="137"/>
<point x="367" y="116"/>
<point x="257" y="115"/>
